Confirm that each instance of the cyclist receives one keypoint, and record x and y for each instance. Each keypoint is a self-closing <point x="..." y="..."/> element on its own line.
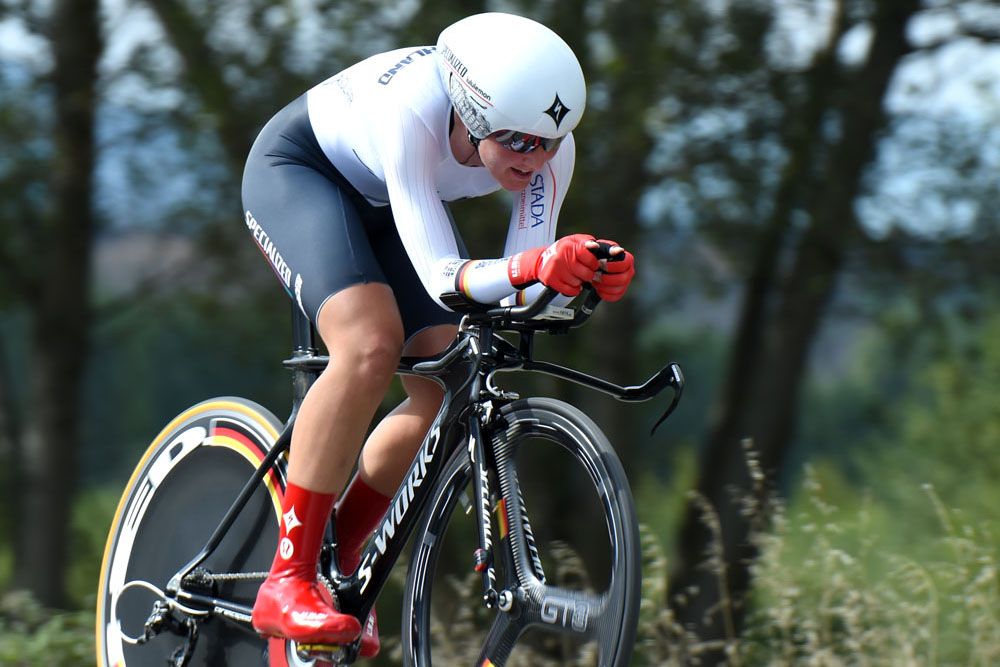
<point x="344" y="191"/>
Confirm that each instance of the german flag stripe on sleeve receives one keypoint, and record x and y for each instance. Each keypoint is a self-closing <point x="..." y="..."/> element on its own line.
<point x="462" y="280"/>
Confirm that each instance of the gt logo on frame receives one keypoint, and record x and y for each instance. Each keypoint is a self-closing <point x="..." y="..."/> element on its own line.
<point x="566" y="613"/>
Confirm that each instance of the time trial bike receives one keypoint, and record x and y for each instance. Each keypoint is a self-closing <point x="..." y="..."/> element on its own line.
<point x="197" y="525"/>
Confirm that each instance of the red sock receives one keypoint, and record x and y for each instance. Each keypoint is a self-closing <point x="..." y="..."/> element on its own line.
<point x="359" y="512"/>
<point x="304" y="515"/>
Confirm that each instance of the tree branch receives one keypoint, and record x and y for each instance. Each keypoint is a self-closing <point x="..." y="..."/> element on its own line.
<point x="986" y="35"/>
<point x="203" y="73"/>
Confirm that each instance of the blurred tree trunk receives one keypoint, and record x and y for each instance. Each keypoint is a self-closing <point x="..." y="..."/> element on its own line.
<point x="9" y="447"/>
<point x="609" y="180"/>
<point x="236" y="126"/>
<point x="58" y="280"/>
<point x="780" y="317"/>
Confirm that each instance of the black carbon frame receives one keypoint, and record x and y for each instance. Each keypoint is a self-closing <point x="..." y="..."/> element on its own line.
<point x="463" y="371"/>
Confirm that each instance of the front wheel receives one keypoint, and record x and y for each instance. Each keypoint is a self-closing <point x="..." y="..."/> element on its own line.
<point x="568" y="573"/>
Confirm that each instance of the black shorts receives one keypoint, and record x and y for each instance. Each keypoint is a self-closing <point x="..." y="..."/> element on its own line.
<point x="318" y="233"/>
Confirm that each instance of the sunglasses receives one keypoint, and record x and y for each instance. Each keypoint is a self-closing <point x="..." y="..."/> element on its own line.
<point x="519" y="142"/>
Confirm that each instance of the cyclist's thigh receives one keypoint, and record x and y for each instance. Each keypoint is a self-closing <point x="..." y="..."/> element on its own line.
<point x="431" y="340"/>
<point x="424" y="392"/>
<point x="306" y="225"/>
<point x="418" y="310"/>
<point x="363" y="319"/>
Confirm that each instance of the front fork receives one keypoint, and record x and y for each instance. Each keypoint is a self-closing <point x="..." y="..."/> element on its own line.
<point x="484" y="499"/>
<point x="483" y="458"/>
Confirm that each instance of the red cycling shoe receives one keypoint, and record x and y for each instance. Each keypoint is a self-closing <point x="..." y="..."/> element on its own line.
<point x="299" y="610"/>
<point x="290" y="603"/>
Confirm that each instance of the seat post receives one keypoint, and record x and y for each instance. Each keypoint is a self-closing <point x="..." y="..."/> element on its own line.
<point x="303" y="347"/>
<point x="303" y="333"/>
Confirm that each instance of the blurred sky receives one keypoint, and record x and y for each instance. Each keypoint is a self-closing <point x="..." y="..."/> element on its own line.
<point x="960" y="78"/>
<point x="956" y="83"/>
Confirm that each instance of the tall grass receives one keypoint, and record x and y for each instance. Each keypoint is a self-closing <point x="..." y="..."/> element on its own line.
<point x="831" y="587"/>
<point x="830" y="590"/>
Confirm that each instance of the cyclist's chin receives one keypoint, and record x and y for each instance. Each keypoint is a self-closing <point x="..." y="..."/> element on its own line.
<point x="512" y="178"/>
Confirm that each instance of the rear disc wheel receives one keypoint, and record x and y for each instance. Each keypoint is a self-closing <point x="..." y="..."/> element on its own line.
<point x="179" y="492"/>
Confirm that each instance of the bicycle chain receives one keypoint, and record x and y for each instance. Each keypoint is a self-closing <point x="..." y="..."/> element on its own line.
<point x="239" y="576"/>
<point x="329" y="585"/>
<point x="248" y="576"/>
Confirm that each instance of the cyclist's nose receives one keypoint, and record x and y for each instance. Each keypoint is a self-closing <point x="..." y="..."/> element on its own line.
<point x="536" y="159"/>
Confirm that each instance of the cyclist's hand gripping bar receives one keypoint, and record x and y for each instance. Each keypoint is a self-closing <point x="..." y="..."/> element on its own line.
<point x="528" y="311"/>
<point x="592" y="298"/>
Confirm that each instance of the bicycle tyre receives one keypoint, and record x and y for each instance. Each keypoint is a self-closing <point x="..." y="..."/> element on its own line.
<point x="177" y="494"/>
<point x="608" y="619"/>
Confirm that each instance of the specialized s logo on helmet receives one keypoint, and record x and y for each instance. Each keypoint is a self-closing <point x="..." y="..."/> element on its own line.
<point x="557" y="111"/>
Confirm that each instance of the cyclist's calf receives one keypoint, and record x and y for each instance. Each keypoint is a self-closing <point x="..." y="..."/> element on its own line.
<point x="392" y="446"/>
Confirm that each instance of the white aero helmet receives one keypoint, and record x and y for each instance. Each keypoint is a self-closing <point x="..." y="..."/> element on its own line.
<point x="507" y="72"/>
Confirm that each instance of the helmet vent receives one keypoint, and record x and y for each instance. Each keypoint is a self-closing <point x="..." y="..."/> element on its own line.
<point x="473" y="118"/>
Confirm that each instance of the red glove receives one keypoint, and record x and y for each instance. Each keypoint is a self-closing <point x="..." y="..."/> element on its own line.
<point x="564" y="266"/>
<point x="613" y="280"/>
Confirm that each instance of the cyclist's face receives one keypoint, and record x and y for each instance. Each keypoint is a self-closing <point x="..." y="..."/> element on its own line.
<point x="511" y="169"/>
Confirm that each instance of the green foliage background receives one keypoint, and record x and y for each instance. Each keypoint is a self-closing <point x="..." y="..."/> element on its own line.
<point x="884" y="554"/>
<point x="879" y="543"/>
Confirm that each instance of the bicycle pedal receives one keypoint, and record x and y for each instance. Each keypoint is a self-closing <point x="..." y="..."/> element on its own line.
<point x="334" y="653"/>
